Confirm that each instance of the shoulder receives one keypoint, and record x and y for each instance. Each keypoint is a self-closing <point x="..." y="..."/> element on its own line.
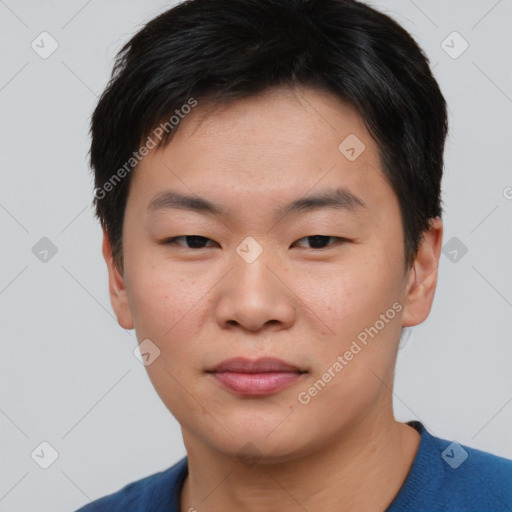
<point x="157" y="490"/>
<point x="477" y="478"/>
<point x="448" y="476"/>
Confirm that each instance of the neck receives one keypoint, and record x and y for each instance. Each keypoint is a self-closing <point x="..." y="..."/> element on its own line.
<point x="362" y="470"/>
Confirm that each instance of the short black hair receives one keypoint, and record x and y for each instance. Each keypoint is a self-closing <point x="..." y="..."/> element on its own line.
<point x="217" y="51"/>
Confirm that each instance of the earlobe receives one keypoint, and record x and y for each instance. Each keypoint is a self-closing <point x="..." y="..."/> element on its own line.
<point x="117" y="288"/>
<point x="422" y="278"/>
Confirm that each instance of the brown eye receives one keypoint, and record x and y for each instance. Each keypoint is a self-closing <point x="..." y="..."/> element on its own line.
<point x="191" y="241"/>
<point x="319" y="241"/>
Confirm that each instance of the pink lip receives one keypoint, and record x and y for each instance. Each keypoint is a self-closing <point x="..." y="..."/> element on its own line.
<point x="258" y="377"/>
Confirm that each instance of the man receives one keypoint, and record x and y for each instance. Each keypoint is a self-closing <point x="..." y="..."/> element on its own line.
<point x="268" y="177"/>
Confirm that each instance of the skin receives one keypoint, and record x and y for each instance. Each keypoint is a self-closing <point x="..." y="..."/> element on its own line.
<point x="343" y="450"/>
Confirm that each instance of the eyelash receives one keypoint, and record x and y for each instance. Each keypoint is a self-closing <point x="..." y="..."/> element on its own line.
<point x="172" y="241"/>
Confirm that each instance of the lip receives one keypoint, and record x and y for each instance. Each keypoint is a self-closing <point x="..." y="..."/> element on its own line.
<point x="255" y="377"/>
<point x="262" y="365"/>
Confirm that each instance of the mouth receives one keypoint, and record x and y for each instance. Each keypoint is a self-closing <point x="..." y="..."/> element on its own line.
<point x="256" y="377"/>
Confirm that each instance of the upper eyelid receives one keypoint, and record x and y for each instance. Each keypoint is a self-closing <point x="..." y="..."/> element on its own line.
<point x="173" y="239"/>
<point x="336" y="239"/>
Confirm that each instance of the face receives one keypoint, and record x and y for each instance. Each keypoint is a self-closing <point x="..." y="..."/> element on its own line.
<point x="292" y="248"/>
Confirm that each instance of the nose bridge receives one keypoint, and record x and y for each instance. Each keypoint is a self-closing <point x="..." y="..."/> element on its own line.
<point x="251" y="268"/>
<point x="253" y="296"/>
<point x="250" y="250"/>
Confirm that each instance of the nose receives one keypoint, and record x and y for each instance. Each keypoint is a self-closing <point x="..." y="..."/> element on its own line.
<point x="255" y="295"/>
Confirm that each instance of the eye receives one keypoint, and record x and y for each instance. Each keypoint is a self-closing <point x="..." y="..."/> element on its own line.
<point x="200" y="242"/>
<point x="191" y="241"/>
<point x="319" y="241"/>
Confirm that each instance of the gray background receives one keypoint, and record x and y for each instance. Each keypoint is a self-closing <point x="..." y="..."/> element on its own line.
<point x="67" y="372"/>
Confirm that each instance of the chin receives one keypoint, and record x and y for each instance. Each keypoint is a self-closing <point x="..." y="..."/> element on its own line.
<point x="260" y="446"/>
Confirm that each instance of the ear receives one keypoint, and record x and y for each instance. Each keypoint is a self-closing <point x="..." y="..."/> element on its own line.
<point x="422" y="278"/>
<point x="117" y="289"/>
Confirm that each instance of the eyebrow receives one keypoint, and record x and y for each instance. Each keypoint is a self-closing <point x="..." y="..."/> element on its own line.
<point x="339" y="198"/>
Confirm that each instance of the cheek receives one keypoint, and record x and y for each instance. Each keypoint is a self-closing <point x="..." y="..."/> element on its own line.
<point x="347" y="298"/>
<point x="361" y="307"/>
<point x="165" y="305"/>
<point x="167" y="310"/>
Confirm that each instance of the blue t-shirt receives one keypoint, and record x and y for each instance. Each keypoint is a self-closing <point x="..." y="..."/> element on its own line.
<point x="445" y="476"/>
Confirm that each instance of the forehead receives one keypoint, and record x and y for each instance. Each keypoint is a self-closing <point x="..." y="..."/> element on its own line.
<point x="266" y="149"/>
